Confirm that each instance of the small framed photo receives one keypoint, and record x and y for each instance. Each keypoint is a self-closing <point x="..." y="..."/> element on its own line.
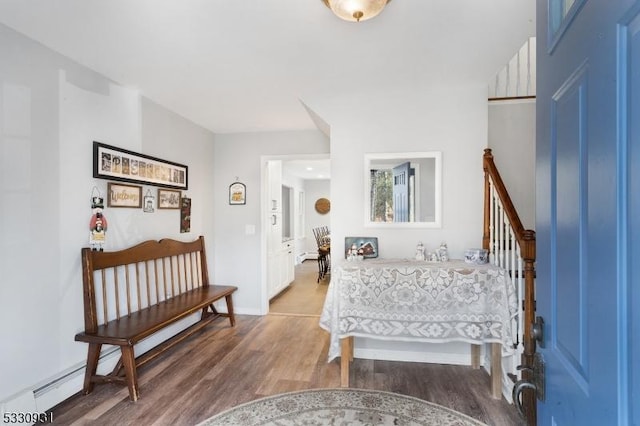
<point x="364" y="246"/>
<point x="237" y="193"/>
<point x="149" y="204"/>
<point x="168" y="199"/>
<point x="121" y="195"/>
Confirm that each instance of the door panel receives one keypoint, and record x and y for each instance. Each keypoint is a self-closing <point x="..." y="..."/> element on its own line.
<point x="583" y="289"/>
<point x="569" y="168"/>
<point x="401" y="192"/>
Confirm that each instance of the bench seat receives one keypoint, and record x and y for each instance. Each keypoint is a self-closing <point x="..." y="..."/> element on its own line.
<point x="133" y="328"/>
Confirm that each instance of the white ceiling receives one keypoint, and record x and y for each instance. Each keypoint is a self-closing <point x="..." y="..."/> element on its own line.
<point x="308" y="169"/>
<point x="247" y="65"/>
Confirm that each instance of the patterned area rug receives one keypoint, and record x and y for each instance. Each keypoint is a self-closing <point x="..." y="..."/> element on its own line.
<point x="340" y="407"/>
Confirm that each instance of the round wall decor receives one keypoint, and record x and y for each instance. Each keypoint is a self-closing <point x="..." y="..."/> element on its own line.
<point x="323" y="205"/>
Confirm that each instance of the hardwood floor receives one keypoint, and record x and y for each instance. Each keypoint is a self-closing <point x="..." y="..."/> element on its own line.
<point x="222" y="367"/>
<point x="305" y="296"/>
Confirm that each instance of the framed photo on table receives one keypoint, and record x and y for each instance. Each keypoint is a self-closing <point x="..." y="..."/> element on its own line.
<point x="365" y="246"/>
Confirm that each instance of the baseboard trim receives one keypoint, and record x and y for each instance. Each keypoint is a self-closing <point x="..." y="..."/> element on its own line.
<point x="413" y="356"/>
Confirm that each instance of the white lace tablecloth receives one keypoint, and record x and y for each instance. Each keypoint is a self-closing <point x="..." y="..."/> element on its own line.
<point x="419" y="301"/>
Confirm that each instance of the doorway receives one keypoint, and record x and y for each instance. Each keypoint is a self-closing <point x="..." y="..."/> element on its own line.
<point x="292" y="185"/>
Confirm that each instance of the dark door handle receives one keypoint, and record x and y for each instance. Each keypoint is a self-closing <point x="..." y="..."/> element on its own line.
<point x="517" y="390"/>
<point x="537" y="331"/>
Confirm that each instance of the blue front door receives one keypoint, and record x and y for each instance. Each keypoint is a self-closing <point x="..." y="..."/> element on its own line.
<point x="588" y="210"/>
<point x="401" y="192"/>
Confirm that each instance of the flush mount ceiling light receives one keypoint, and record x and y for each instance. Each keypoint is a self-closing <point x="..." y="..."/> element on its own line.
<point x="356" y="10"/>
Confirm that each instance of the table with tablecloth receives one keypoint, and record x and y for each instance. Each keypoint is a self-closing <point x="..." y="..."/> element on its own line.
<point x="408" y="300"/>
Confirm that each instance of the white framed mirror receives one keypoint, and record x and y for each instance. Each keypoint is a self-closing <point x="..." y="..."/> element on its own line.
<point x="403" y="189"/>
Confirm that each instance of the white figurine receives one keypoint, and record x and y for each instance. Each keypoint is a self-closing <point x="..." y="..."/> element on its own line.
<point x="420" y="251"/>
<point x="352" y="253"/>
<point x="443" y="253"/>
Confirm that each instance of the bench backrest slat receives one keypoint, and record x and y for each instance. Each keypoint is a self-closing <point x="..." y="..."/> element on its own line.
<point x="146" y="276"/>
<point x="103" y="274"/>
<point x="126" y="276"/>
<point x="116" y="286"/>
<point x="139" y="277"/>
<point x="156" y="280"/>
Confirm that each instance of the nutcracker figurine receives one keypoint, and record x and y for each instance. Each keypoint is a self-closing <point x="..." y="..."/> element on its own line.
<point x="97" y="225"/>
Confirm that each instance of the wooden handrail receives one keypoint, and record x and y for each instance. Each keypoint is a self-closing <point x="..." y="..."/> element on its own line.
<point x="491" y="170"/>
<point x="527" y="241"/>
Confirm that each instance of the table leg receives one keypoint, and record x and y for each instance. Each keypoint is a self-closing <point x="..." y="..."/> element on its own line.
<point x="496" y="370"/>
<point x="346" y="356"/>
<point x="475" y="356"/>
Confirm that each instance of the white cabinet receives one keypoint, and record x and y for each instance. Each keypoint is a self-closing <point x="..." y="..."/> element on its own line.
<point x="274" y="235"/>
<point x="281" y="268"/>
<point x="280" y="255"/>
<point x="274" y="171"/>
<point x="287" y="263"/>
<point x="273" y="274"/>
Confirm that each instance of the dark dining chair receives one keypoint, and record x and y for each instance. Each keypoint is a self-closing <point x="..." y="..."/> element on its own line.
<point x="323" y="241"/>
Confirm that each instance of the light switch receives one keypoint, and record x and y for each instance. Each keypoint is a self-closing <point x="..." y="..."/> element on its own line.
<point x="249" y="229"/>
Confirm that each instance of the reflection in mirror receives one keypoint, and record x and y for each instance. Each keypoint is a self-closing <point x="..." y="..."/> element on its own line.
<point x="403" y="189"/>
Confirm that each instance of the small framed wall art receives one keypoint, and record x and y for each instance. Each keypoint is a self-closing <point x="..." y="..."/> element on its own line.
<point x="185" y="215"/>
<point x="237" y="193"/>
<point x="168" y="199"/>
<point x="121" y="195"/>
<point x="149" y="203"/>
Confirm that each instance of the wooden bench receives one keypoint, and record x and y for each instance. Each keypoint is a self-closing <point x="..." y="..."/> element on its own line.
<point x="130" y="294"/>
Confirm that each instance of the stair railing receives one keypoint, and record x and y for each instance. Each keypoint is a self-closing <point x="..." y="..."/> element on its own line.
<point x="513" y="248"/>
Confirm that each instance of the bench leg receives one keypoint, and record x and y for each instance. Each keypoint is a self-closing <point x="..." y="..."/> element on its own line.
<point x="129" y="361"/>
<point x="232" y="318"/>
<point x="92" y="365"/>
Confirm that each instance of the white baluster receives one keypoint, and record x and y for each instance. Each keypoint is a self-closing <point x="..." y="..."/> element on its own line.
<point x="492" y="225"/>
<point x="501" y="240"/>
<point x="496" y="234"/>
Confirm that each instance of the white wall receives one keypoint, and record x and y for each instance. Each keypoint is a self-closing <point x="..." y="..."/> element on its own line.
<point x="236" y="255"/>
<point x="450" y="120"/>
<point x="51" y="110"/>
<point x="512" y="139"/>
<point x="314" y="189"/>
